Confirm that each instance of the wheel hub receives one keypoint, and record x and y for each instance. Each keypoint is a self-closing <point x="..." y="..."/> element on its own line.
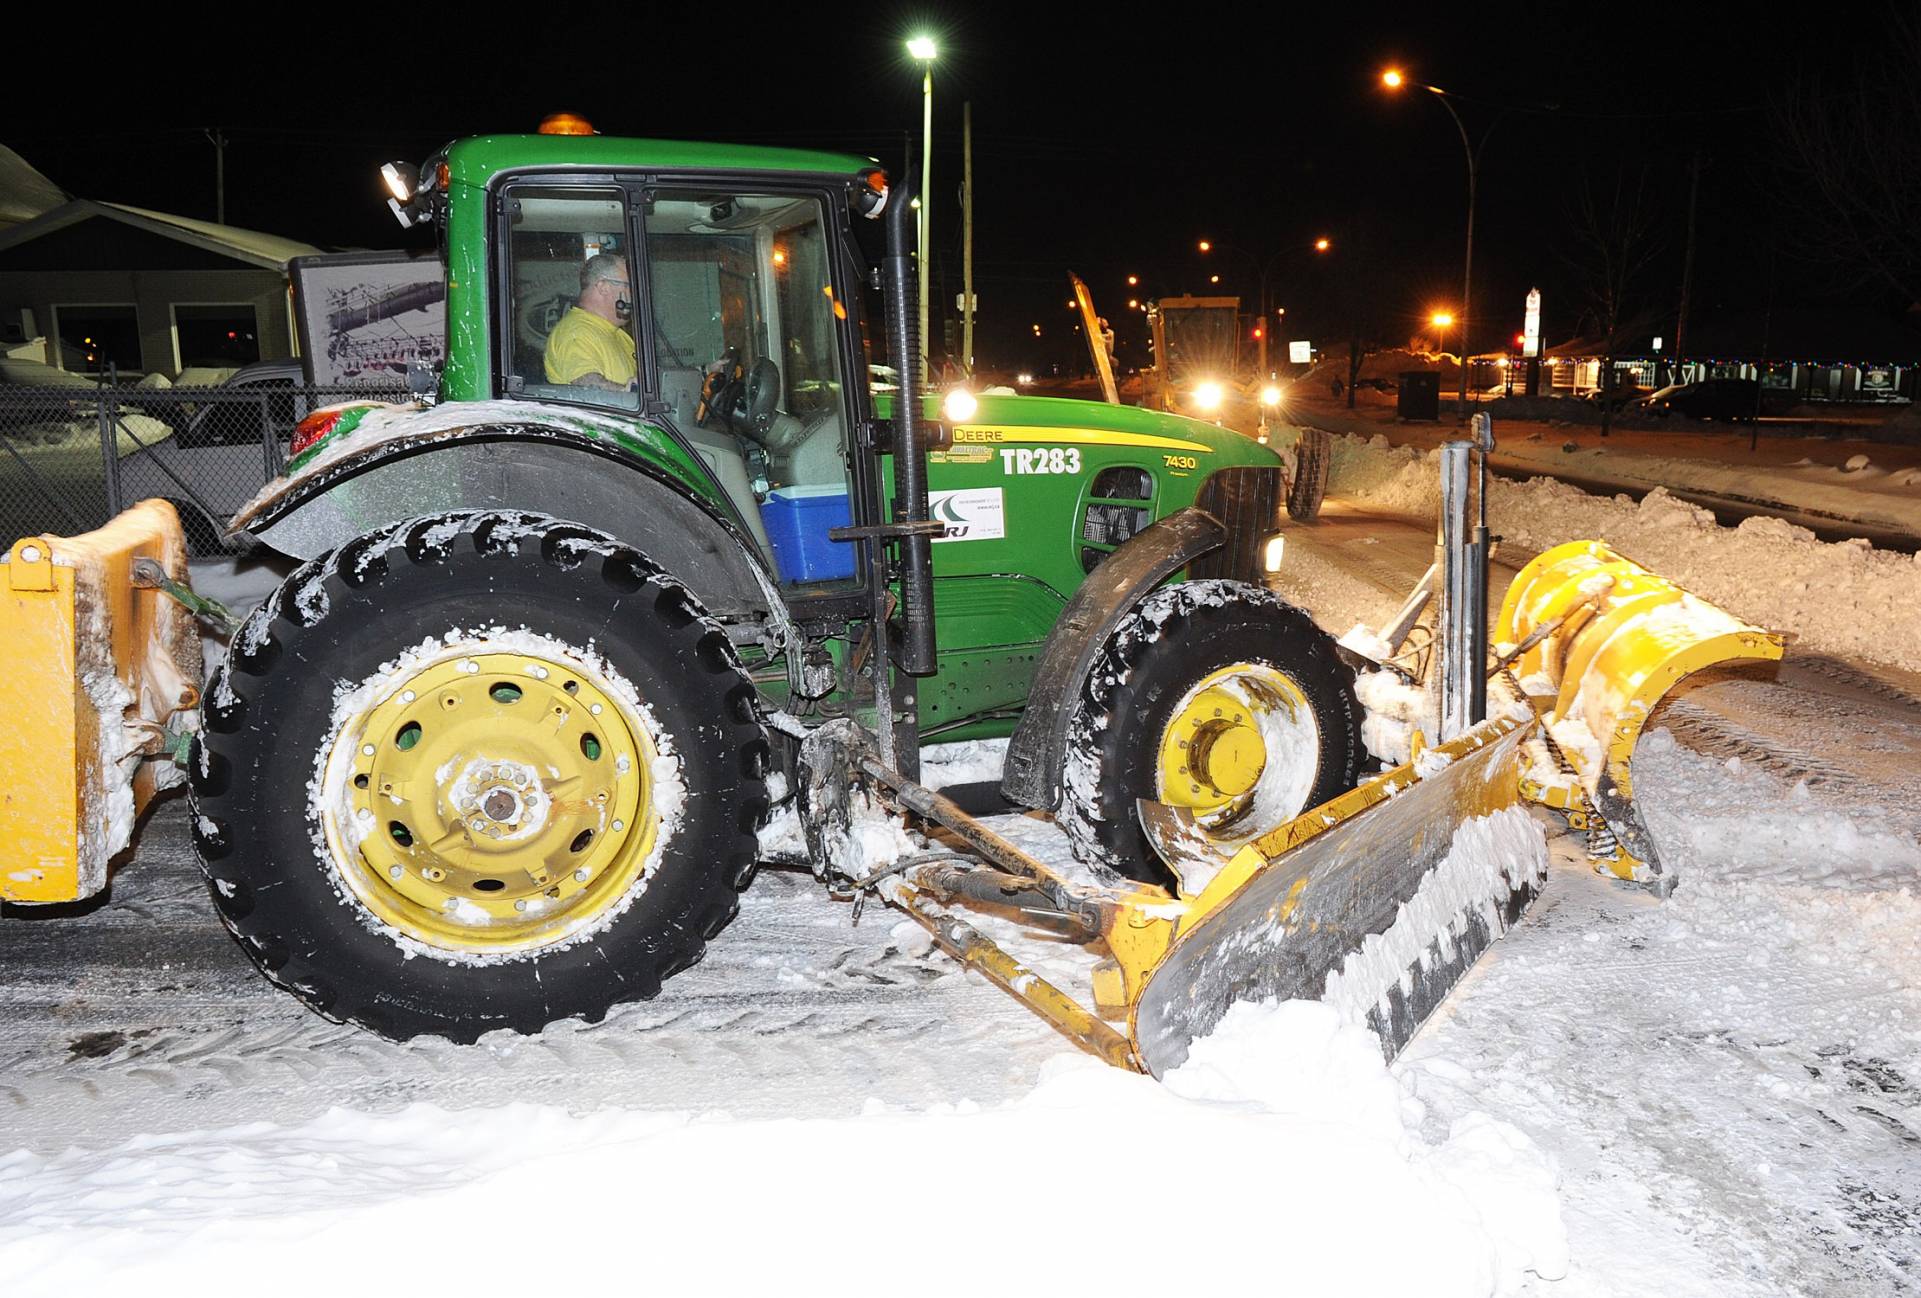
<point x="1237" y="758"/>
<point x="493" y="802"/>
<point x="1212" y="751"/>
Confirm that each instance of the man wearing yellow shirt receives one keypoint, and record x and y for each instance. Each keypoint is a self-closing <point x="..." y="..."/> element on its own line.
<point x="588" y="348"/>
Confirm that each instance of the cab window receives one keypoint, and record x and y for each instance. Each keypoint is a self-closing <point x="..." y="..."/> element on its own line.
<point x="570" y="296"/>
<point x="746" y="338"/>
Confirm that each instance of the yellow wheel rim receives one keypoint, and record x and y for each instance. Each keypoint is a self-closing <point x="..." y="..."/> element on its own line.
<point x="1238" y="756"/>
<point x="491" y="803"/>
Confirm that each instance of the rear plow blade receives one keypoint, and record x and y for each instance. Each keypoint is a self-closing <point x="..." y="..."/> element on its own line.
<point x="1377" y="902"/>
<point x="100" y="668"/>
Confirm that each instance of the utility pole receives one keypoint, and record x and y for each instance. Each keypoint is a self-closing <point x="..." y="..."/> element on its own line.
<point x="218" y="138"/>
<point x="967" y="238"/>
<point x="1687" y="270"/>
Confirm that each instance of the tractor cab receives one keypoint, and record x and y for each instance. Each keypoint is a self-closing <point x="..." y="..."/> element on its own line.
<point x="720" y="310"/>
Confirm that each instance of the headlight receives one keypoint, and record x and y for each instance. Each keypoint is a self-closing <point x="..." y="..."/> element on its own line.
<point x="960" y="406"/>
<point x="1207" y="397"/>
<point x="1271" y="554"/>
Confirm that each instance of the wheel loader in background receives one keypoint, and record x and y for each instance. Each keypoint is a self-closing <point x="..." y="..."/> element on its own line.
<point x="565" y="638"/>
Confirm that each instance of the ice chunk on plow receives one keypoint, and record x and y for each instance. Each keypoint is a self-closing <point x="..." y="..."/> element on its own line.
<point x="1381" y="913"/>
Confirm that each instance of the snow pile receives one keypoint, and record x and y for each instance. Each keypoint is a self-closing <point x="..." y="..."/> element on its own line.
<point x="1295" y="1157"/>
<point x="1845" y="598"/>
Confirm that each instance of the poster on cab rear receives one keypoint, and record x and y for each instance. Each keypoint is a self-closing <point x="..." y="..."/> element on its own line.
<point x="365" y="317"/>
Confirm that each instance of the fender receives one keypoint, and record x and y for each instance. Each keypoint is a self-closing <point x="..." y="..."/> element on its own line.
<point x="1037" y="753"/>
<point x="586" y="474"/>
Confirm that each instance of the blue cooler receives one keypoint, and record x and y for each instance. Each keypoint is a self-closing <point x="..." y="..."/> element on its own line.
<point x="797" y="520"/>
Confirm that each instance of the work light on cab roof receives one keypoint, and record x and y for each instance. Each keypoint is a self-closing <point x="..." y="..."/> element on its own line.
<point x="414" y="193"/>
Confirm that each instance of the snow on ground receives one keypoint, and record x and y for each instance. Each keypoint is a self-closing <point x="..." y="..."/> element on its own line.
<point x="685" y="1203"/>
<point x="1846" y="597"/>
<point x="1722" y="1083"/>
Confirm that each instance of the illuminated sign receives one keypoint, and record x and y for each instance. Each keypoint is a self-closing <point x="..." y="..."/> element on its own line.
<point x="1531" y="333"/>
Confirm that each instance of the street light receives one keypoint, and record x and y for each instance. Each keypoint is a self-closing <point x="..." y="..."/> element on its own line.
<point x="921" y="49"/>
<point x="1393" y="79"/>
<point x="1441" y="320"/>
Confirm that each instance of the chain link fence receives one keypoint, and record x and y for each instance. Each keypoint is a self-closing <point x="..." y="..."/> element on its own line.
<point x="73" y="456"/>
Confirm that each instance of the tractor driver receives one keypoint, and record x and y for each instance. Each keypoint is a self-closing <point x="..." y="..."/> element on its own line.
<point x="589" y="347"/>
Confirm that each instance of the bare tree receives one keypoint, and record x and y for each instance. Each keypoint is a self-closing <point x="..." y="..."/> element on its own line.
<point x="1851" y="153"/>
<point x="1612" y="238"/>
<point x="1366" y="279"/>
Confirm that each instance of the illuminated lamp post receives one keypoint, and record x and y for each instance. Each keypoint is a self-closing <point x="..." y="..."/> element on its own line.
<point x="1394" y="79"/>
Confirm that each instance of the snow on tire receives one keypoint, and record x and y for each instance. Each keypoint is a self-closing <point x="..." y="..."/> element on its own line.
<point x="1146" y="698"/>
<point x="485" y="770"/>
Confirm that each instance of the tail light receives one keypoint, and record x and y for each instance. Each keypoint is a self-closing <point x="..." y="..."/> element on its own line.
<point x="310" y="431"/>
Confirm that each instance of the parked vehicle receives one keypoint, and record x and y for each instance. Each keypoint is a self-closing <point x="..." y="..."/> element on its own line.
<point x="1619" y="398"/>
<point x="1706" y="399"/>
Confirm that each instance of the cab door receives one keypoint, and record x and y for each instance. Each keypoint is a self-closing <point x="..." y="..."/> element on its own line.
<point x="748" y="359"/>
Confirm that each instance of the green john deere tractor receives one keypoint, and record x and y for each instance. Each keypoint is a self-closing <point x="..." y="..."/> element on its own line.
<point x="499" y="752"/>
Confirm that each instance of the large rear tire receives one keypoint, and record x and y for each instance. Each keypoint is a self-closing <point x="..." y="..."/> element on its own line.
<point x="1216" y="712"/>
<point x="487" y="770"/>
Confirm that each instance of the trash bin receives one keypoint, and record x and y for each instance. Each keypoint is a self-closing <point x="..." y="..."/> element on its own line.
<point x="1420" y="395"/>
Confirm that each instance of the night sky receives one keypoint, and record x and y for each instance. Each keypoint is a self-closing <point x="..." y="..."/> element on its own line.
<point x="1107" y="139"/>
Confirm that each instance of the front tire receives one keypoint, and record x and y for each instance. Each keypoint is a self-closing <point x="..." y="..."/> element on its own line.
<point x="480" y="771"/>
<point x="1216" y="713"/>
<point x="1313" y="455"/>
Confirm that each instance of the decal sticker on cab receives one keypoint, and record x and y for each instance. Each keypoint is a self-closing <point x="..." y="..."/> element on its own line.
<point x="972" y="514"/>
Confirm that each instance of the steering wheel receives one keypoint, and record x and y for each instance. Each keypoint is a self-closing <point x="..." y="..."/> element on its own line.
<point x="759" y="396"/>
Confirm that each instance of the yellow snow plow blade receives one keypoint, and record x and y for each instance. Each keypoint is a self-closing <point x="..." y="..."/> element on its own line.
<point x="97" y="667"/>
<point x="1624" y="638"/>
<point x="1377" y="901"/>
